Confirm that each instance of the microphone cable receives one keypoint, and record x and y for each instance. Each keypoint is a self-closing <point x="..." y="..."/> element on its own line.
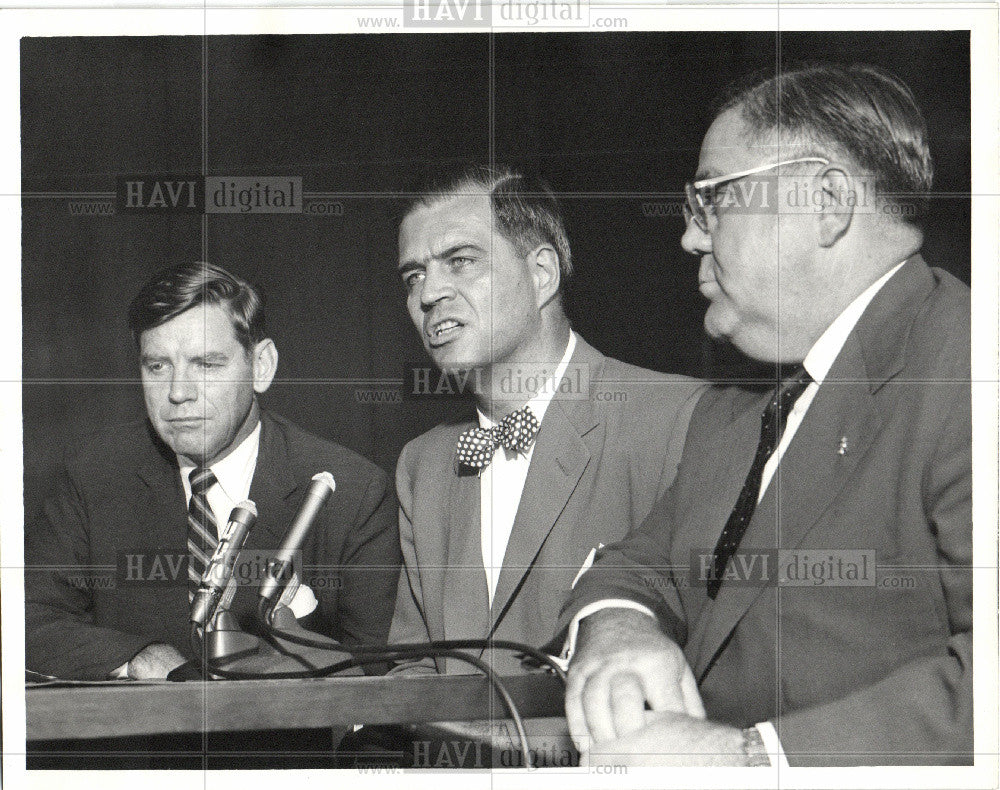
<point x="367" y="654"/>
<point x="383" y="653"/>
<point x="449" y="644"/>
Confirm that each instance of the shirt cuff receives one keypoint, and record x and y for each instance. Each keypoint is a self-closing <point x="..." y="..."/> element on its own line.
<point x="608" y="603"/>
<point x="772" y="744"/>
<point x="304" y="602"/>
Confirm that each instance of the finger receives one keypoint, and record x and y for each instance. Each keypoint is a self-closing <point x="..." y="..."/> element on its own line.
<point x="627" y="704"/>
<point x="597" y="707"/>
<point x="693" y="705"/>
<point x="576" y="720"/>
<point x="662" y="690"/>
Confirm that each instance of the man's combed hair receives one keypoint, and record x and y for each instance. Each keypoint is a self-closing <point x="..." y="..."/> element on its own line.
<point x="172" y="291"/>
<point x="526" y="211"/>
<point x="860" y="111"/>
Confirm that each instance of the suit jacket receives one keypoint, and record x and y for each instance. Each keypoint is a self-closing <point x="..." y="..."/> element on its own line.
<point x="598" y="466"/>
<point x="849" y="675"/>
<point x="120" y="497"/>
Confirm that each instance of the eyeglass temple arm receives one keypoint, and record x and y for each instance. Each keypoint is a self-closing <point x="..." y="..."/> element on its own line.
<point x="708" y="182"/>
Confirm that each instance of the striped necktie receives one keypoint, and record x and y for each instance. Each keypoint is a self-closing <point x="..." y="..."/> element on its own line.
<point x="203" y="530"/>
<point x="772" y="425"/>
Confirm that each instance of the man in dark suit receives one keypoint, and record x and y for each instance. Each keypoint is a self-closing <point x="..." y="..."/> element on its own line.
<point x="825" y="618"/>
<point x="107" y="594"/>
<point x="569" y="449"/>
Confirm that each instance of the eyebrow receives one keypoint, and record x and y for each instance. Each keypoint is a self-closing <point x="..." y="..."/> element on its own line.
<point x="406" y="266"/>
<point x="211" y="356"/>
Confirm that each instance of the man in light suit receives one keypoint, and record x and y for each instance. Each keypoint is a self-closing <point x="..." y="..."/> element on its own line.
<point x="747" y="611"/>
<point x="122" y="507"/>
<point x="497" y="520"/>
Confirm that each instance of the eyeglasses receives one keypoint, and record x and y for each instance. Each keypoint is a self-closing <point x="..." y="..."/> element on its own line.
<point x="702" y="195"/>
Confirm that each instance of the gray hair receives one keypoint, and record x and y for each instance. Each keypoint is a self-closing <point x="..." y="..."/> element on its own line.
<point x="862" y="111"/>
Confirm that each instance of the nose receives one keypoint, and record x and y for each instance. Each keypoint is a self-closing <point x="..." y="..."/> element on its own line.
<point x="182" y="388"/>
<point x="436" y="287"/>
<point x="695" y="240"/>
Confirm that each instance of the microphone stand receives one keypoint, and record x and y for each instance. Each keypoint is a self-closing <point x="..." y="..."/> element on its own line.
<point x="223" y="637"/>
<point x="281" y="618"/>
<point x="226" y="646"/>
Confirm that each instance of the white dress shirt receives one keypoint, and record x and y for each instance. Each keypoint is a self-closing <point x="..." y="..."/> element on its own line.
<point x="234" y="474"/>
<point x="502" y="482"/>
<point x="817" y="363"/>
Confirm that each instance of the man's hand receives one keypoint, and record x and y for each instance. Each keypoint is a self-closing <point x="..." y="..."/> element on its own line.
<point x="154" y="662"/>
<point x="623" y="661"/>
<point x="673" y="739"/>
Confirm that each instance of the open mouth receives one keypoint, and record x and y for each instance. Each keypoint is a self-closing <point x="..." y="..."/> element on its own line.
<point x="441" y="332"/>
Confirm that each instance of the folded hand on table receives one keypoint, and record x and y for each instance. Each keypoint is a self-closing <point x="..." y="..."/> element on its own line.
<point x="622" y="662"/>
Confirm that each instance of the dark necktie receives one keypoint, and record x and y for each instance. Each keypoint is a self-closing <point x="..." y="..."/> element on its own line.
<point x="202" y="533"/>
<point x="772" y="424"/>
<point x="516" y="431"/>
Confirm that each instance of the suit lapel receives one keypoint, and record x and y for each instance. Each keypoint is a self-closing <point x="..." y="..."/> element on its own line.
<point x="166" y="518"/>
<point x="813" y="470"/>
<point x="464" y="595"/>
<point x="160" y="517"/>
<point x="725" y="463"/>
<point x="557" y="463"/>
<point x="271" y="489"/>
<point x="809" y="477"/>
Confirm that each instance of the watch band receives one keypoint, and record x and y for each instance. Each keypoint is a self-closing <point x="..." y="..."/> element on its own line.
<point x="754" y="749"/>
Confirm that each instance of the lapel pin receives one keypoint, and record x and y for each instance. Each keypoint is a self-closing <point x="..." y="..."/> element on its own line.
<point x="842" y="447"/>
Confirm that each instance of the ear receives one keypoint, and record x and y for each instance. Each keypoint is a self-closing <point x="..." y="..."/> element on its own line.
<point x="838" y="197"/>
<point x="544" y="263"/>
<point x="265" y="365"/>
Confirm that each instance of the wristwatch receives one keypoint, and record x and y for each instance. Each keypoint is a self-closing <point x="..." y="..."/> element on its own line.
<point x="754" y="749"/>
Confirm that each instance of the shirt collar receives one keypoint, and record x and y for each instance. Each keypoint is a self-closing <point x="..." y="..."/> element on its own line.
<point x="236" y="469"/>
<point x="540" y="403"/>
<point x="824" y="352"/>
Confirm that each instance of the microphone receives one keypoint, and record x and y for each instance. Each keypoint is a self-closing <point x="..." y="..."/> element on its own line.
<point x="220" y="568"/>
<point x="279" y="568"/>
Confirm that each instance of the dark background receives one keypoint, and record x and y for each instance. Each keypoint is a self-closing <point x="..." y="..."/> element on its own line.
<point x="372" y="114"/>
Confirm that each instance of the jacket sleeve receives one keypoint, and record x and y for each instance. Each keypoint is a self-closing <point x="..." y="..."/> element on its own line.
<point x="60" y="636"/>
<point x="370" y="562"/>
<point x="409" y="623"/>
<point x="686" y="394"/>
<point x="636" y="568"/>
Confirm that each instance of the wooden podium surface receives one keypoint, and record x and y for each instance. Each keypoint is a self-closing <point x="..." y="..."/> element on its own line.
<point x="136" y="708"/>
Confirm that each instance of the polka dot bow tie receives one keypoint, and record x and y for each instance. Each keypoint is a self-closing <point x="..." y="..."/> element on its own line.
<point x="515" y="432"/>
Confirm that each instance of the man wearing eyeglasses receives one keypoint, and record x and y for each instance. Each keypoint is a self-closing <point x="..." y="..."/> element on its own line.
<point x="803" y="593"/>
